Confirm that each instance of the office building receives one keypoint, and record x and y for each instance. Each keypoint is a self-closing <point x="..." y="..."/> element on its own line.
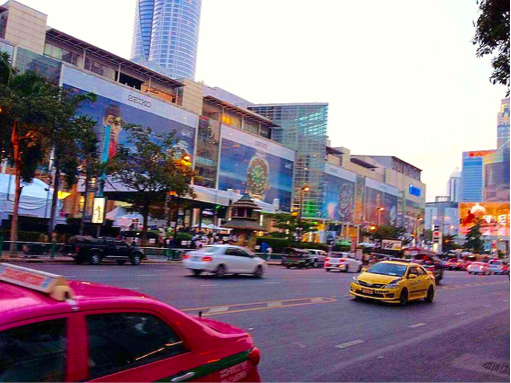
<point x="503" y="124"/>
<point x="444" y="214"/>
<point x="472" y="175"/>
<point x="454" y="186"/>
<point x="166" y="35"/>
<point x="303" y="128"/>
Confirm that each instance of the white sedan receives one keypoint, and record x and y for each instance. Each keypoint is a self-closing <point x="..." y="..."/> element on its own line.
<point x="479" y="268"/>
<point x="224" y="259"/>
<point x="343" y="262"/>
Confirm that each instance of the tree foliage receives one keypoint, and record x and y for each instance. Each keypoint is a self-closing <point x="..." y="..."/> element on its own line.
<point x="388" y="232"/>
<point x="449" y="243"/>
<point x="289" y="225"/>
<point x="150" y="166"/>
<point x="492" y="38"/>
<point x="473" y="239"/>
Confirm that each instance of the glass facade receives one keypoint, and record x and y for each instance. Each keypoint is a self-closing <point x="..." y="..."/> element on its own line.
<point x="303" y="128"/>
<point x="503" y="124"/>
<point x="29" y="61"/>
<point x="166" y="32"/>
<point x="208" y="146"/>
<point x="496" y="176"/>
<point x="472" y="176"/>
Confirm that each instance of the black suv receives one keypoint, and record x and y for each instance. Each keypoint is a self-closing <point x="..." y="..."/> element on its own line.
<point x="94" y="250"/>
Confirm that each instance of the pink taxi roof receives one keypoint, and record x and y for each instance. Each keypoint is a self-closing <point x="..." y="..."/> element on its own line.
<point x="20" y="303"/>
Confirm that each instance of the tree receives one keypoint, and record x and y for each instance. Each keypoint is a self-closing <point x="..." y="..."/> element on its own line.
<point x="30" y="106"/>
<point x="473" y="239"/>
<point x="449" y="243"/>
<point x="428" y="235"/>
<point x="492" y="38"/>
<point x="151" y="166"/>
<point x="289" y="225"/>
<point x="388" y="232"/>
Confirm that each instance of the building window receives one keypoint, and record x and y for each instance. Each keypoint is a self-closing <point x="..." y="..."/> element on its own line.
<point x="94" y="67"/>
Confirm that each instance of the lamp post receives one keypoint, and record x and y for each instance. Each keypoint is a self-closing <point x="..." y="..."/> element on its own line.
<point x="380" y="209"/>
<point x="303" y="190"/>
<point x="417" y="230"/>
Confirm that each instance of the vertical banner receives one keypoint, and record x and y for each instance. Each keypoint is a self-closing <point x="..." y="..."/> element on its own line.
<point x="359" y="199"/>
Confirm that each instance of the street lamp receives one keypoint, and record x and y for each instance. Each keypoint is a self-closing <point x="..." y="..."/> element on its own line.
<point x="379" y="210"/>
<point x="303" y="190"/>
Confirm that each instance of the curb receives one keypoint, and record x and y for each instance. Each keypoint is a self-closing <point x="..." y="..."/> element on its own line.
<point x="71" y="261"/>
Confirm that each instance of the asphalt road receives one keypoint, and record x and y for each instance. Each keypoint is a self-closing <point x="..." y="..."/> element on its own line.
<point x="308" y="329"/>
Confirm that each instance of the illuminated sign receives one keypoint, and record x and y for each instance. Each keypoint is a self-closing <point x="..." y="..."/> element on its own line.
<point x="414" y="191"/>
<point x="493" y="217"/>
<point x="98" y="211"/>
<point x="480" y="153"/>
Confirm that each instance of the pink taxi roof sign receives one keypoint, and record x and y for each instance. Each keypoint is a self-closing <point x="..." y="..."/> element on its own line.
<point x="55" y="285"/>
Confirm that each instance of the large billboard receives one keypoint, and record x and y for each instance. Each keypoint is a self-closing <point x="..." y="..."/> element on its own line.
<point x="496" y="176"/>
<point x="380" y="203"/>
<point x="117" y="104"/>
<point x="493" y="216"/>
<point x="339" y="199"/>
<point x="258" y="166"/>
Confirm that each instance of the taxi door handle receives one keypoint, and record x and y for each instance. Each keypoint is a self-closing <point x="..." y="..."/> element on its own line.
<point x="183" y="377"/>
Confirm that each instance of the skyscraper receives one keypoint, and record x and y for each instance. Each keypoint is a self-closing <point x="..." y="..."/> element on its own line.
<point x="166" y="34"/>
<point x="503" y="124"/>
<point x="454" y="186"/>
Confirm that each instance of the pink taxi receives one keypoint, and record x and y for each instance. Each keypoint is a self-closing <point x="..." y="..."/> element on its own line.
<point x="55" y="330"/>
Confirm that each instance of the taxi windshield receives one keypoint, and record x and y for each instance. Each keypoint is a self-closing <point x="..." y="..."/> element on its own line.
<point x="388" y="269"/>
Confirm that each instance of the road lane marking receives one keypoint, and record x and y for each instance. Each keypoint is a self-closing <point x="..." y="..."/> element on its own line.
<point x="300" y="345"/>
<point x="147" y="275"/>
<point x="341" y="365"/>
<point x="417" y="325"/>
<point x="349" y="344"/>
<point x="207" y="285"/>
<point x="257" y="306"/>
<point x="219" y="309"/>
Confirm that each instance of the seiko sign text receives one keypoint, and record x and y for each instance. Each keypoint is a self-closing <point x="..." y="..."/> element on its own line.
<point x="139" y="101"/>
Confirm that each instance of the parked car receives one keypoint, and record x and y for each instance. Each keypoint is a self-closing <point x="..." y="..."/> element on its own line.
<point x="454" y="264"/>
<point x="94" y="250"/>
<point x="317" y="257"/>
<point x="431" y="263"/>
<point x="296" y="258"/>
<point x="498" y="267"/>
<point x="224" y="259"/>
<point x="479" y="268"/>
<point x="343" y="262"/>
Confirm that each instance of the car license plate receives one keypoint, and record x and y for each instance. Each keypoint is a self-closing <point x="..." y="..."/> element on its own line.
<point x="195" y="258"/>
<point x="367" y="291"/>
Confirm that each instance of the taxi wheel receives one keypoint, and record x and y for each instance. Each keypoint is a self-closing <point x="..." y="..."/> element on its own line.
<point x="403" y="298"/>
<point x="430" y="296"/>
<point x="359" y="269"/>
<point x="220" y="271"/>
<point x="288" y="267"/>
<point x="94" y="259"/>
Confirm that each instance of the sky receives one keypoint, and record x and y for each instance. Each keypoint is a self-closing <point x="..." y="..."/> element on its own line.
<point x="401" y="77"/>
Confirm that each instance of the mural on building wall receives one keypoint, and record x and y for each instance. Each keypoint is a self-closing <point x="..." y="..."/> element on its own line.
<point x="339" y="202"/>
<point x="377" y="199"/>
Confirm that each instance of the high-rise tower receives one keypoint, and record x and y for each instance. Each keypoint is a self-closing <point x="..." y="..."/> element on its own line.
<point x="166" y="33"/>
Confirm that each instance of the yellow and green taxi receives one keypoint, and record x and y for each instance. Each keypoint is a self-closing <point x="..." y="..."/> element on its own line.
<point x="394" y="282"/>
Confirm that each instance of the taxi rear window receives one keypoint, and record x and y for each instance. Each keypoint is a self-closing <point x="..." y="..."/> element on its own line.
<point x="33" y="353"/>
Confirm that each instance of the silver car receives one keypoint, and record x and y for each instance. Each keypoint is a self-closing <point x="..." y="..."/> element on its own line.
<point x="342" y="262"/>
<point x="498" y="267"/>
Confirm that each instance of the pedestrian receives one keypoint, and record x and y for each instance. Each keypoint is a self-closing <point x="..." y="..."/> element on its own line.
<point x="264" y="246"/>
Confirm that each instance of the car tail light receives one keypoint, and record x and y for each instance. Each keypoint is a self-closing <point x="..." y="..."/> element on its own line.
<point x="186" y="256"/>
<point x="77" y="249"/>
<point x="327" y="264"/>
<point x="341" y="260"/>
<point x="207" y="259"/>
<point x="255" y="356"/>
<point x="327" y="259"/>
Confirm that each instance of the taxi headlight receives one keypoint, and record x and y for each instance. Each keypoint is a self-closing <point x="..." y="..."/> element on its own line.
<point x="393" y="284"/>
<point x="355" y="280"/>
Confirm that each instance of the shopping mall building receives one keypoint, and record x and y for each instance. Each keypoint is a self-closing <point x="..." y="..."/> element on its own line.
<point x="269" y="151"/>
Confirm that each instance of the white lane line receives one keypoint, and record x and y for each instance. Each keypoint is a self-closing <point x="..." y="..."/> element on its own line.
<point x="417" y="325"/>
<point x="220" y="309"/>
<point x="207" y="285"/>
<point x="300" y="345"/>
<point x="147" y="275"/>
<point x="316" y="300"/>
<point x="460" y="313"/>
<point x="487" y="305"/>
<point x="69" y="276"/>
<point x="349" y="344"/>
<point x="274" y="304"/>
